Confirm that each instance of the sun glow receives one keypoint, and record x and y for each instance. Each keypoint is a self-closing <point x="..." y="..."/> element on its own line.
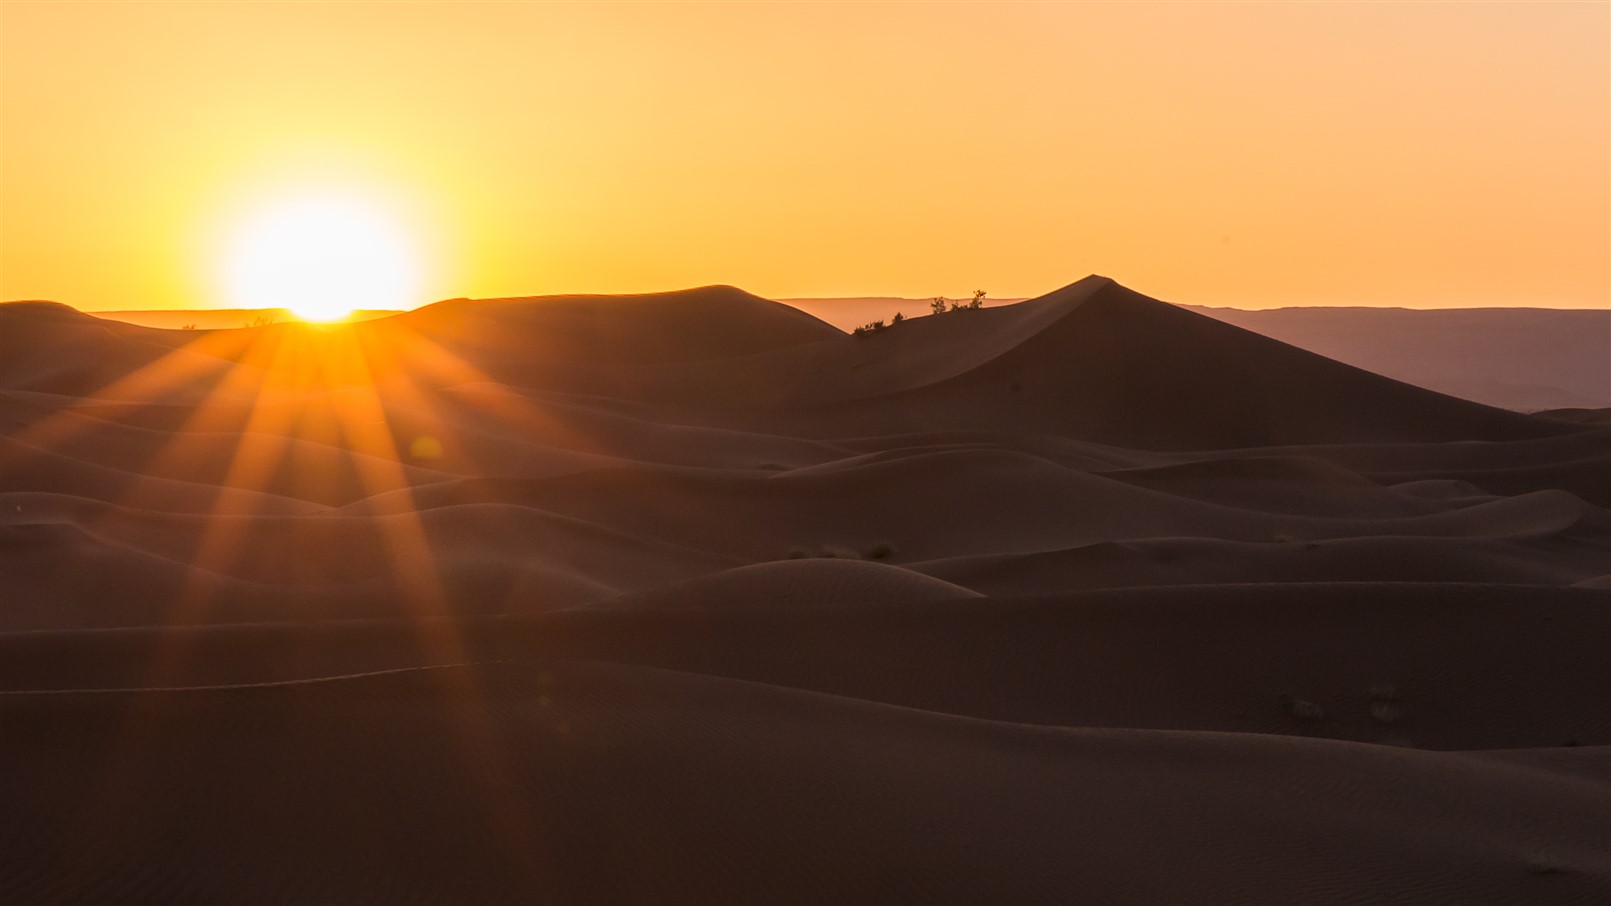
<point x="322" y="258"/>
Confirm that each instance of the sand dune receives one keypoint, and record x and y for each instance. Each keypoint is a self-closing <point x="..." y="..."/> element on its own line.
<point x="1525" y="359"/>
<point x="586" y="796"/>
<point x="692" y="597"/>
<point x="1519" y="358"/>
<point x="1117" y="353"/>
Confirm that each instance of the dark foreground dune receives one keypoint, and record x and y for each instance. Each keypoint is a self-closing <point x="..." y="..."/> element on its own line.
<point x="694" y="598"/>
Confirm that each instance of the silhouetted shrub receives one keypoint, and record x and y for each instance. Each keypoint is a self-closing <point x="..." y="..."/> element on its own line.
<point x="883" y="550"/>
<point x="940" y="305"/>
<point x="871" y="327"/>
<point x="897" y="319"/>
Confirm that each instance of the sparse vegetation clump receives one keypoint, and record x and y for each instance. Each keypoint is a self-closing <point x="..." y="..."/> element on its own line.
<point x="939" y="305"/>
<point x="871" y="327"/>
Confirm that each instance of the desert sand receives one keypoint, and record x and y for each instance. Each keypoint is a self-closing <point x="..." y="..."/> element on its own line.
<point x="1529" y="359"/>
<point x="693" y="597"/>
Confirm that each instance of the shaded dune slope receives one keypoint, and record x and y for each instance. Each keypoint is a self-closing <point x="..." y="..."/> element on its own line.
<point x="586" y="797"/>
<point x="1114" y="354"/>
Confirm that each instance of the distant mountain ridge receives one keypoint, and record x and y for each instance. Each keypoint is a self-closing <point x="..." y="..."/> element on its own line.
<point x="1526" y="359"/>
<point x="219" y="318"/>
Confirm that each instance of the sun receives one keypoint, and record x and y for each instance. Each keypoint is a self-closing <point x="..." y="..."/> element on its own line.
<point x="321" y="258"/>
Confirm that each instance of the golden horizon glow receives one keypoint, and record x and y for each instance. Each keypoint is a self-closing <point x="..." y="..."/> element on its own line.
<point x="321" y="257"/>
<point x="1236" y="154"/>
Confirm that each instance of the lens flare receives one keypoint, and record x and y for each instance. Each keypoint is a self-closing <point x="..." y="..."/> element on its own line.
<point x="322" y="258"/>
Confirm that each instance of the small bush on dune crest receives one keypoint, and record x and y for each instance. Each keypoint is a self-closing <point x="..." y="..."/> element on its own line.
<point x="939" y="305"/>
<point x="883" y="550"/>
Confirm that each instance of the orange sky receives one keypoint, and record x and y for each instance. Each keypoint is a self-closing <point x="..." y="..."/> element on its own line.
<point x="1257" y="155"/>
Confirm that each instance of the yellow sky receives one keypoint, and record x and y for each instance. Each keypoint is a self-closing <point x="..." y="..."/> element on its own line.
<point x="1425" y="154"/>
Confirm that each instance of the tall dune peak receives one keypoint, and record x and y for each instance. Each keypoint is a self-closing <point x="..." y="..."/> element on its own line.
<point x="1076" y="292"/>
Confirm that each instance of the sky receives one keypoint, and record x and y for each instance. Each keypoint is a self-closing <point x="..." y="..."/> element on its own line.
<point x="1244" y="154"/>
